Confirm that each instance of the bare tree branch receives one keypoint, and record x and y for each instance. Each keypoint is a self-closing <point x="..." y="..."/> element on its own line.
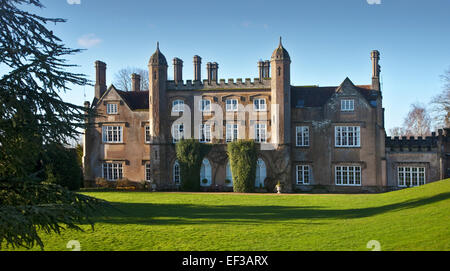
<point x="123" y="78"/>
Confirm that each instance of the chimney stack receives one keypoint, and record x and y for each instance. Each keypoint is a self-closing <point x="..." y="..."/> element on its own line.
<point x="376" y="69"/>
<point x="197" y="68"/>
<point x="100" y="79"/>
<point x="177" y="70"/>
<point x="135" y="82"/>
<point x="267" y="69"/>
<point x="212" y="69"/>
<point x="261" y="70"/>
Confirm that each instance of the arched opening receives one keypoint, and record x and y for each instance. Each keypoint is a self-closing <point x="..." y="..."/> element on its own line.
<point x="176" y="173"/>
<point x="229" y="177"/>
<point x="261" y="173"/>
<point x="205" y="173"/>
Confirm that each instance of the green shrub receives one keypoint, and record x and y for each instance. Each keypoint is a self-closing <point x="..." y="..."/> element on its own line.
<point x="243" y="158"/>
<point x="103" y="183"/>
<point x="62" y="167"/>
<point x="190" y="154"/>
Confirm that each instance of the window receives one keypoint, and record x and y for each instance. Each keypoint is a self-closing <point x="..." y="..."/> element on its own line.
<point x="261" y="173"/>
<point x="302" y="136"/>
<point x="231" y="132"/>
<point x="147" y="134"/>
<point x="112" y="134"/>
<point x="111" y="109"/>
<point x="411" y="176"/>
<point x="205" y="106"/>
<point x="177" y="132"/>
<point x="176" y="173"/>
<point x="259" y="105"/>
<point x="347" y="105"/>
<point x="112" y="171"/>
<point x="348" y="175"/>
<point x="205" y="133"/>
<point x="232" y="105"/>
<point x="229" y="175"/>
<point x="205" y="173"/>
<point x="260" y="133"/>
<point x="178" y="106"/>
<point x="347" y="136"/>
<point x="147" y="172"/>
<point x="303" y="174"/>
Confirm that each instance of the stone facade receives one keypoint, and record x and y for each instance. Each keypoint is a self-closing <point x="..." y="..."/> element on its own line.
<point x="313" y="138"/>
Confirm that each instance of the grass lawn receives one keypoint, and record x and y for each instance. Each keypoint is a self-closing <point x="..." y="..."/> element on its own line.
<point x="412" y="219"/>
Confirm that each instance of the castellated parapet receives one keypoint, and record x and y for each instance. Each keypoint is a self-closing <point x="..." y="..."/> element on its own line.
<point x="222" y="84"/>
<point x="417" y="144"/>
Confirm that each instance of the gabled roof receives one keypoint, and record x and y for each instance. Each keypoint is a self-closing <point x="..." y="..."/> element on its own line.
<point x="136" y="100"/>
<point x="315" y="96"/>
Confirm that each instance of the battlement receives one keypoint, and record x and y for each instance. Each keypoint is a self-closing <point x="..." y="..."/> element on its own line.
<point x="222" y="84"/>
<point x="412" y="143"/>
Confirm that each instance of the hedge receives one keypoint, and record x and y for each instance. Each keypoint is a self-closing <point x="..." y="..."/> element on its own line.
<point x="190" y="154"/>
<point x="243" y="157"/>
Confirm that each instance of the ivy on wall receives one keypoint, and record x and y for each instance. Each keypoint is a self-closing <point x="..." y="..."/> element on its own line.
<point x="243" y="157"/>
<point x="190" y="154"/>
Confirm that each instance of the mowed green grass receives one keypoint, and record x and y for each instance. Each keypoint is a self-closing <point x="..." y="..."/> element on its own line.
<point x="411" y="219"/>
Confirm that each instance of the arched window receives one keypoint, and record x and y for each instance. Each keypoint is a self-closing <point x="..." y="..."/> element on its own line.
<point x="229" y="175"/>
<point x="205" y="173"/>
<point x="176" y="173"/>
<point x="261" y="173"/>
<point x="178" y="106"/>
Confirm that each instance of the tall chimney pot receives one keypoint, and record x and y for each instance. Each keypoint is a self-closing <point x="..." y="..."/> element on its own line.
<point x="100" y="79"/>
<point x="197" y="68"/>
<point x="135" y="82"/>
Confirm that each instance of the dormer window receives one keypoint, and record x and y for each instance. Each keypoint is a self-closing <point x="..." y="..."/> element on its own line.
<point x="259" y="105"/>
<point x="111" y="109"/>
<point x="347" y="105"/>
<point x="178" y="106"/>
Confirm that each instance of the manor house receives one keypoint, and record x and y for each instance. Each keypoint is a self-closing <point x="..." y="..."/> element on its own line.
<point x="309" y="137"/>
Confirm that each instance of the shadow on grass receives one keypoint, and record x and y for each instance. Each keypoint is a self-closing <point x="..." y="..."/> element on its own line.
<point x="188" y="214"/>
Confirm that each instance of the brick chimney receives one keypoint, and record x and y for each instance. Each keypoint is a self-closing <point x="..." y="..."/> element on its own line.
<point x="135" y="82"/>
<point x="100" y="79"/>
<point x="197" y="68"/>
<point x="376" y="69"/>
<point x="177" y="70"/>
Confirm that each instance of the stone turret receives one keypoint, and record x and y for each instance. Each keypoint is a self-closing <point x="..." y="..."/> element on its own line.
<point x="157" y="68"/>
<point x="281" y="93"/>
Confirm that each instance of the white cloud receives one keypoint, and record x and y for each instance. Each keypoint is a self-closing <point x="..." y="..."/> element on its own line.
<point x="374" y="2"/>
<point x="89" y="40"/>
<point x="74" y="2"/>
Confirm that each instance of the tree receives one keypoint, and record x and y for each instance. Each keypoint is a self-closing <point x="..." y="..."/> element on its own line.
<point x="397" y="131"/>
<point x="62" y="167"/>
<point x="417" y="122"/>
<point x="32" y="117"/>
<point x="441" y="104"/>
<point x="123" y="78"/>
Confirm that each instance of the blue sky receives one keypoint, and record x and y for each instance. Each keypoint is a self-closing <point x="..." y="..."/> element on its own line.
<point x="327" y="40"/>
